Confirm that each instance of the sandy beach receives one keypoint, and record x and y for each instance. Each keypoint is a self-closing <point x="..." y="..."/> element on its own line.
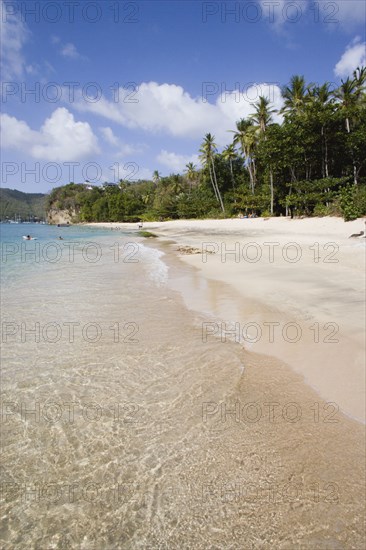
<point x="289" y="289"/>
<point x="158" y="421"/>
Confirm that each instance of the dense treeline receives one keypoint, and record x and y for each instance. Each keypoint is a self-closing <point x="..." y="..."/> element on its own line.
<point x="314" y="163"/>
<point x="16" y="205"/>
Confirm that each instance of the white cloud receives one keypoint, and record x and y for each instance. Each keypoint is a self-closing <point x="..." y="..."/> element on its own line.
<point x="175" y="162"/>
<point x="69" y="50"/>
<point x="236" y="106"/>
<point x="14" y="34"/>
<point x="123" y="149"/>
<point x="168" y="109"/>
<point x="109" y="136"/>
<point x="59" y="139"/>
<point x="353" y="57"/>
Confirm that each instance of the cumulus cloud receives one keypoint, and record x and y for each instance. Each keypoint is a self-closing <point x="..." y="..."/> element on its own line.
<point x="123" y="149"/>
<point x="353" y="57"/>
<point x="69" y="50"/>
<point x="169" y="109"/>
<point x="59" y="139"/>
<point x="175" y="162"/>
<point x="235" y="106"/>
<point x="14" y="34"/>
<point x="109" y="136"/>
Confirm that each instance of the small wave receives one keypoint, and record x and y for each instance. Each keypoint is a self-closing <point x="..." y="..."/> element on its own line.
<point x="156" y="269"/>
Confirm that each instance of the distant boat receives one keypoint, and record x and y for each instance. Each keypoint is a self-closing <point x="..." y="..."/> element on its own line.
<point x="28" y="238"/>
<point x="63" y="225"/>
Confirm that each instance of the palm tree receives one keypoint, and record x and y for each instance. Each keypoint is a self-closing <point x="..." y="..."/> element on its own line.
<point x="229" y="154"/>
<point x="263" y="114"/>
<point x="208" y="150"/>
<point x="263" y="117"/>
<point x="156" y="177"/>
<point x="146" y="198"/>
<point x="122" y="185"/>
<point x="347" y="96"/>
<point x="191" y="174"/>
<point x="176" y="184"/>
<point x="296" y="96"/>
<point x="350" y="95"/>
<point x="322" y="108"/>
<point x="359" y="76"/>
<point x="245" y="137"/>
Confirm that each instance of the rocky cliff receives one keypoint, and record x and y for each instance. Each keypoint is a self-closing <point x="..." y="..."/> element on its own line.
<point x="55" y="216"/>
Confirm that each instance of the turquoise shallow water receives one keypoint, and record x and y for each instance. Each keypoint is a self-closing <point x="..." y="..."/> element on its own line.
<point x="22" y="258"/>
<point x="118" y="430"/>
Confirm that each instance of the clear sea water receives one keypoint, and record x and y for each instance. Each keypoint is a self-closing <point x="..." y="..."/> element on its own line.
<point x="123" y="429"/>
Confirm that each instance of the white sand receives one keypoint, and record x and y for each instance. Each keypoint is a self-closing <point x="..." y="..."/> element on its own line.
<point x="323" y="292"/>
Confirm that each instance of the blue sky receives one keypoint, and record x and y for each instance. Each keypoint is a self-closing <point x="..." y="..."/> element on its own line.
<point x="126" y="88"/>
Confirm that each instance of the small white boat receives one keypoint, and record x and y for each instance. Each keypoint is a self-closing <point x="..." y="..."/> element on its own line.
<point x="29" y="238"/>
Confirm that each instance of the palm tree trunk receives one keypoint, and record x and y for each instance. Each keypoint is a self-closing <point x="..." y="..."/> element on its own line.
<point x="323" y="155"/>
<point x="217" y="187"/>
<point x="272" y="194"/>
<point x="212" y="181"/>
<point x="232" y="174"/>
<point x="251" y="177"/>
<point x="254" y="174"/>
<point x="353" y="162"/>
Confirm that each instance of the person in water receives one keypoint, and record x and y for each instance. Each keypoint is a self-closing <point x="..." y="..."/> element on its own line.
<point x="61" y="238"/>
<point x="28" y="237"/>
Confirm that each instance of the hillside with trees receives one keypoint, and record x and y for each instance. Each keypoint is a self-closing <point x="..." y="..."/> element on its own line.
<point x="312" y="164"/>
<point x="24" y="206"/>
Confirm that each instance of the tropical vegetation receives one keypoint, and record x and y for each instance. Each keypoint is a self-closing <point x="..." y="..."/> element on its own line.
<point x="16" y="205"/>
<point x="312" y="163"/>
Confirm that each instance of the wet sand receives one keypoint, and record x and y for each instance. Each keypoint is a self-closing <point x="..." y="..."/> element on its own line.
<point x="201" y="443"/>
<point x="301" y="287"/>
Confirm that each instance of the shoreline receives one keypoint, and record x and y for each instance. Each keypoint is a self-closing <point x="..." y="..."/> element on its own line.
<point x="189" y="431"/>
<point x="307" y="313"/>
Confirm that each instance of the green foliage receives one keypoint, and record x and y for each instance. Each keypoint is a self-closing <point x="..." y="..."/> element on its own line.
<point x="314" y="163"/>
<point x="321" y="210"/>
<point x="265" y="214"/>
<point x="352" y="202"/>
<point x="24" y="205"/>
